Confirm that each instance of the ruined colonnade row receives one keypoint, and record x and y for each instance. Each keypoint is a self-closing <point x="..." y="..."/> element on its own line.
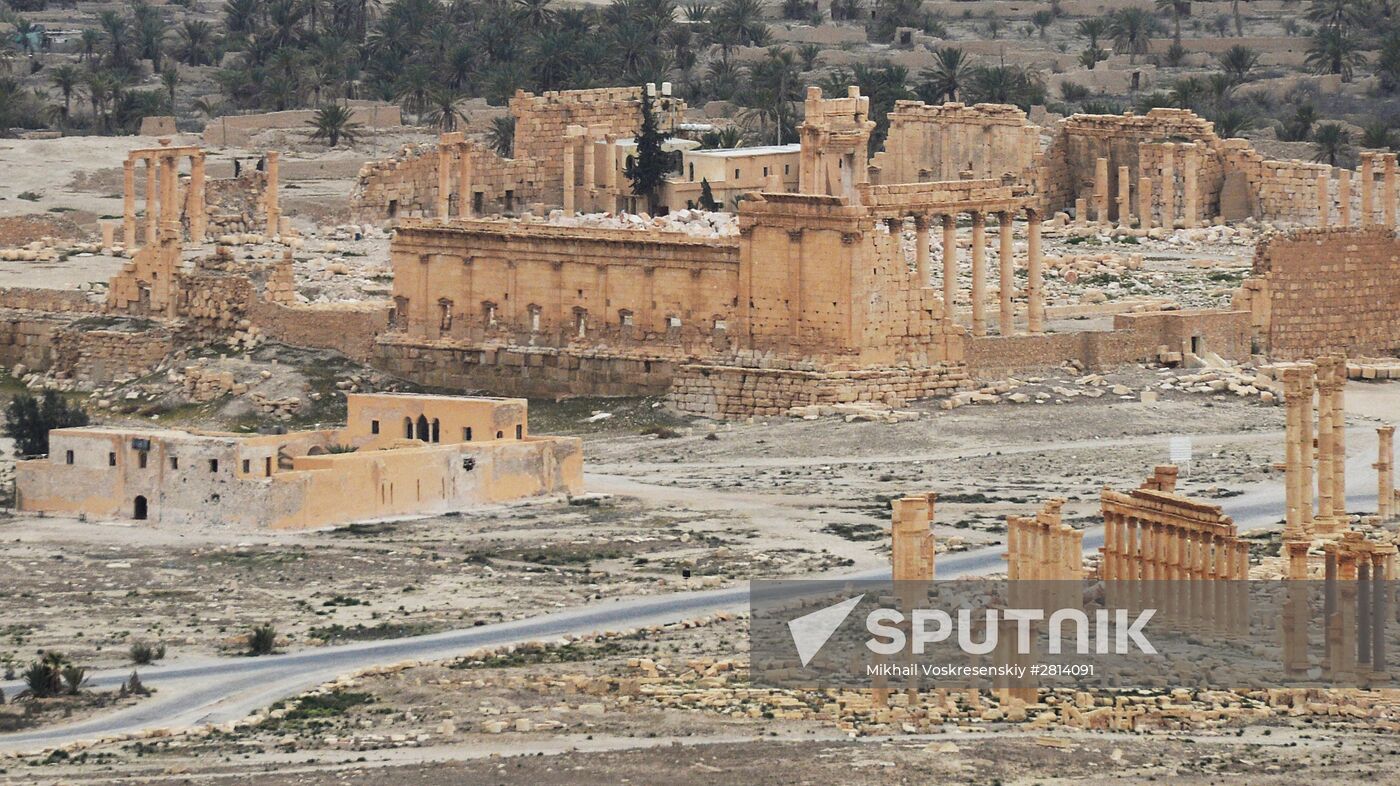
<point x="1035" y="275"/>
<point x="164" y="201"/>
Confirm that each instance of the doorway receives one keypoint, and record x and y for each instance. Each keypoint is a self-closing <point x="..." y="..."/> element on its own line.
<point x="138" y="509"/>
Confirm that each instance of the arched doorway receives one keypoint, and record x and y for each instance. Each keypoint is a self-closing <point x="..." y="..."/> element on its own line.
<point x="422" y="428"/>
<point x="138" y="508"/>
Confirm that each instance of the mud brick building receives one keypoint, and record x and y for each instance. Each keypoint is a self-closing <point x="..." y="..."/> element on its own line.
<point x="398" y="455"/>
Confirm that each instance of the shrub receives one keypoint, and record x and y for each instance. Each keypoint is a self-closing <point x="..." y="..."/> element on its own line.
<point x="144" y="653"/>
<point x="262" y="640"/>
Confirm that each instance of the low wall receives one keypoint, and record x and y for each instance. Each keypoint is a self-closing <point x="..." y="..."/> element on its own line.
<point x="238" y="130"/>
<point x="738" y="391"/>
<point x="347" y="328"/>
<point x="1134" y="338"/>
<point x="524" y="371"/>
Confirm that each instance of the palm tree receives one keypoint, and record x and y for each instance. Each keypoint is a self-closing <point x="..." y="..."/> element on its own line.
<point x="1377" y="135"/>
<point x="1238" y="61"/>
<point x="332" y="123"/>
<point x="197" y="42"/>
<point x="945" y="80"/>
<point x="169" y="78"/>
<point x="1335" y="14"/>
<point x="1335" y="51"/>
<point x="533" y="14"/>
<point x="1331" y="143"/>
<point x="1388" y="62"/>
<point x="739" y="23"/>
<point x="445" y="113"/>
<point x="500" y="135"/>
<point x="1176" y="9"/>
<point x="1233" y="121"/>
<point x="1042" y="20"/>
<point x="1093" y="29"/>
<point x="774" y="88"/>
<point x="88" y="43"/>
<point x="1132" y="29"/>
<point x="412" y="88"/>
<point x="150" y="32"/>
<point x="1188" y="92"/>
<point x="66" y="78"/>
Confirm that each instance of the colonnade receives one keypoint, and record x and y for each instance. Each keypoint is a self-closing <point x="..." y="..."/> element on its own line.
<point x="162" y="201"/>
<point x="1006" y="312"/>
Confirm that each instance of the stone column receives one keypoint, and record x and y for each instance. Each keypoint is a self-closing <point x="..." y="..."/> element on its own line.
<point x="1388" y="191"/>
<point x="1298" y="391"/>
<point x="152" y="200"/>
<point x="921" y="252"/>
<point x="911" y="534"/>
<point x="568" y="175"/>
<point x="1168" y="185"/>
<point x="1125" y="212"/>
<point x="1368" y="190"/>
<point x="611" y="174"/>
<point x="1081" y="212"/>
<point x="1101" y="190"/>
<point x="169" y="205"/>
<point x="274" y="208"/>
<point x="1107" y="565"/>
<point x="979" y="274"/>
<point x="950" y="266"/>
<point x="590" y="170"/>
<point x="1326" y="389"/>
<point x="444" y="177"/>
<point x="1145" y="202"/>
<point x="466" y="195"/>
<point x="129" y="204"/>
<point x="1035" y="276"/>
<point x="1385" y="469"/>
<point x="1007" y="271"/>
<point x="1191" y="196"/>
<point x="199" y="211"/>
<point x="1339" y="442"/>
<point x="109" y="235"/>
<point x="1324" y="201"/>
<point x="1344" y="196"/>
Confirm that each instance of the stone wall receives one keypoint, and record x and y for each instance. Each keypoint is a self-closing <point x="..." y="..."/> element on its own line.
<point x="238" y="130"/>
<point x="743" y="389"/>
<point x="348" y="328"/>
<point x="1284" y="191"/>
<point x="1323" y="291"/>
<point x="27" y="337"/>
<point x="237" y="204"/>
<point x="940" y="142"/>
<point x="97" y="351"/>
<point x="1083" y="139"/>
<point x="406" y="185"/>
<point x="1147" y="336"/>
<point x="61" y="301"/>
<point x="581" y="287"/>
<point x="524" y="370"/>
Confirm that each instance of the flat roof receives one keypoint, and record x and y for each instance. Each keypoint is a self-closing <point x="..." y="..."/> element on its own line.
<point x="434" y="396"/>
<point x="734" y="152"/>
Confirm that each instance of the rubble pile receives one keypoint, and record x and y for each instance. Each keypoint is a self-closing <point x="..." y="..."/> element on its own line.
<point x="698" y="223"/>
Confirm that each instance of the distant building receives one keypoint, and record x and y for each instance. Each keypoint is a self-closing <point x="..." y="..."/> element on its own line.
<point x="411" y="455"/>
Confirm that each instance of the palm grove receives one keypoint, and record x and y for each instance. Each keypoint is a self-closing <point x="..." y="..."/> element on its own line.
<point x="429" y="55"/>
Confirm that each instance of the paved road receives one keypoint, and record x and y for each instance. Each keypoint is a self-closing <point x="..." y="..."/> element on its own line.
<point x="209" y="690"/>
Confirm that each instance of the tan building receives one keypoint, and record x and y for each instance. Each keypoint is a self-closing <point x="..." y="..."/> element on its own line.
<point x="398" y="455"/>
<point x="733" y="172"/>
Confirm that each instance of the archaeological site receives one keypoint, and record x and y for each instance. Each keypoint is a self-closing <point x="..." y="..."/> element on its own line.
<point x="713" y="392"/>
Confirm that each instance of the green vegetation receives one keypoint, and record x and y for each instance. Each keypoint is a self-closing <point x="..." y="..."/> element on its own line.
<point x="28" y="421"/>
<point x="262" y="640"/>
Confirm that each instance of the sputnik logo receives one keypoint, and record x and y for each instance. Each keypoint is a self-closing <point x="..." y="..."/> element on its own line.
<point x="811" y="631"/>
